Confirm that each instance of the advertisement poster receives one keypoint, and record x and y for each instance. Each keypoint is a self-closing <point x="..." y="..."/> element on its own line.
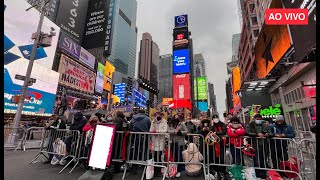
<point x="71" y="17"/>
<point x="202" y="88"/>
<point x="165" y="101"/>
<point x="87" y="58"/>
<point x="181" y="61"/>
<point x="17" y="50"/>
<point x="108" y="76"/>
<point x="180" y="38"/>
<point x="70" y="46"/>
<point x="95" y="27"/>
<point x="119" y="90"/>
<point x="75" y="75"/>
<point x="236" y="84"/>
<point x="100" y="77"/>
<point x="181" y="87"/>
<point x="109" y="30"/>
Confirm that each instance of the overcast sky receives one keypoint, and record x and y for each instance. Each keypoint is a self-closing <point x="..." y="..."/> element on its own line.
<point x="212" y="24"/>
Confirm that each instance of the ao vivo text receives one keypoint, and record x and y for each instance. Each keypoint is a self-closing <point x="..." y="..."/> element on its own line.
<point x="286" y="16"/>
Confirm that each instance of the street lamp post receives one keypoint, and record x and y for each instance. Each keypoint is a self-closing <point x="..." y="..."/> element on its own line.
<point x="14" y="135"/>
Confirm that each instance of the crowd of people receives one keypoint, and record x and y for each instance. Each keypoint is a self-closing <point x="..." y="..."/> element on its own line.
<point x="224" y="136"/>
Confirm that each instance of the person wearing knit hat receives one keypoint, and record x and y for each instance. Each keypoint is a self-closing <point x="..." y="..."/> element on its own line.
<point x="280" y="129"/>
<point x="235" y="130"/>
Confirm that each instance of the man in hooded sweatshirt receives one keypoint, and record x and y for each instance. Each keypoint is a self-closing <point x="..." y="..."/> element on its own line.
<point x="192" y="155"/>
<point x="139" y="123"/>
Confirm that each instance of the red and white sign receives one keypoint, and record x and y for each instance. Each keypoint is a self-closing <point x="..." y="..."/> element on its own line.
<point x="310" y="89"/>
<point x="75" y="75"/>
<point x="181" y="87"/>
<point x="279" y="16"/>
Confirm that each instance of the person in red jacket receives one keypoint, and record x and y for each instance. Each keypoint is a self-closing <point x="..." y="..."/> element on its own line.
<point x="234" y="130"/>
<point x="91" y="124"/>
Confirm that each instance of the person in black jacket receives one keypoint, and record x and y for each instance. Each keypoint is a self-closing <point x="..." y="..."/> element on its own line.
<point x="121" y="125"/>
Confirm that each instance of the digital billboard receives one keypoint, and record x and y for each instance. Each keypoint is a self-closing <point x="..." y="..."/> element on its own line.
<point x="95" y="27"/>
<point x="273" y="42"/>
<point x="236" y="85"/>
<point x="75" y="75"/>
<point x="108" y="76"/>
<point x="17" y="50"/>
<point x="203" y="106"/>
<point x="109" y="30"/>
<point x="120" y="90"/>
<point x="70" y="46"/>
<point x="181" y="61"/>
<point x="303" y="44"/>
<point x="181" y="87"/>
<point x="181" y="20"/>
<point x="200" y="88"/>
<point x="100" y="78"/>
<point x="165" y="101"/>
<point x="180" y="38"/>
<point x="71" y="18"/>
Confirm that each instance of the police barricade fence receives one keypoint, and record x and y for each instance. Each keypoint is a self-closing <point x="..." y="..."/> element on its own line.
<point x="307" y="150"/>
<point x="257" y="156"/>
<point x="60" y="145"/>
<point x="32" y="138"/>
<point x="10" y="135"/>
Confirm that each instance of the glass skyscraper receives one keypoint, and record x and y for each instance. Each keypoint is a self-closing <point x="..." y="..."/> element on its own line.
<point x="124" y="37"/>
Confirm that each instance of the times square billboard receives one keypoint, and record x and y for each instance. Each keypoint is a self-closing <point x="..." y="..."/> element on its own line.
<point x="17" y="50"/>
<point x="181" y="61"/>
<point x="181" y="87"/>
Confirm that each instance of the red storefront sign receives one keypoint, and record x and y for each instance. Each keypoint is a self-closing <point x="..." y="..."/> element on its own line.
<point x="181" y="87"/>
<point x="310" y="89"/>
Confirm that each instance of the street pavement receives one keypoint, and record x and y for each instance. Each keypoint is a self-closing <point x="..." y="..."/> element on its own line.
<point x="17" y="167"/>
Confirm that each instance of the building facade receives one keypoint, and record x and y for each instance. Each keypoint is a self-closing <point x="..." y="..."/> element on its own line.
<point x="165" y="77"/>
<point x="212" y="98"/>
<point x="199" y="68"/>
<point x="253" y="15"/>
<point x="124" y="37"/>
<point x="235" y="46"/>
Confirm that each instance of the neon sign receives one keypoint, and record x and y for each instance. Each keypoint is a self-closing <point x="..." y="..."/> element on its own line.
<point x="270" y="112"/>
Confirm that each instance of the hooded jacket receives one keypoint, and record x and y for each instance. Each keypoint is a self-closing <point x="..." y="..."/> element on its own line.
<point x="79" y="122"/>
<point x="234" y="134"/>
<point x="158" y="141"/>
<point x="192" y="155"/>
<point x="140" y="123"/>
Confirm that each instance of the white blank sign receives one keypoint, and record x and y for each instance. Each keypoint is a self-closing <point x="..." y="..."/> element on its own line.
<point x="101" y="149"/>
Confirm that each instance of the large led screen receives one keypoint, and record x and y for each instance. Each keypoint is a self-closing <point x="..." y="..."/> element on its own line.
<point x="17" y="50"/>
<point x="181" y="61"/>
<point x="181" y="87"/>
<point x="203" y="106"/>
<point x="100" y="77"/>
<point x="108" y="76"/>
<point x="200" y="88"/>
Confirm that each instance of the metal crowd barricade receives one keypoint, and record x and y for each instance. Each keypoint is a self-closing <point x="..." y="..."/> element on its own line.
<point x="183" y="157"/>
<point x="307" y="149"/>
<point x="71" y="139"/>
<point x="9" y="133"/>
<point x="139" y="144"/>
<point x="32" y="138"/>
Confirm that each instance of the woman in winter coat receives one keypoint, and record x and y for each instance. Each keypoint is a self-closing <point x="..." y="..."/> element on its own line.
<point x="158" y="125"/>
<point x="234" y="130"/>
<point x="192" y="155"/>
<point x="91" y="124"/>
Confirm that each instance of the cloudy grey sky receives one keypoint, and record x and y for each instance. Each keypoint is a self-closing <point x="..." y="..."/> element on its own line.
<point x="212" y="24"/>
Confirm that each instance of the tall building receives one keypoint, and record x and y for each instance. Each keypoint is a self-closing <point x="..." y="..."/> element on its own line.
<point x="253" y="15"/>
<point x="124" y="37"/>
<point x="199" y="68"/>
<point x="148" y="59"/>
<point x="235" y="46"/>
<point x="165" y="76"/>
<point x="212" y="98"/>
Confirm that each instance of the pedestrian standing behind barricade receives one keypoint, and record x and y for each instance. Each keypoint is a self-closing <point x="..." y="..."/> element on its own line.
<point x="234" y="131"/>
<point x="259" y="130"/>
<point x="192" y="155"/>
<point x="158" y="125"/>
<point x="58" y="123"/>
<point x="190" y="126"/>
<point x="178" y="130"/>
<point x="279" y="148"/>
<point x="139" y="123"/>
<point x="87" y="130"/>
<point x="218" y="156"/>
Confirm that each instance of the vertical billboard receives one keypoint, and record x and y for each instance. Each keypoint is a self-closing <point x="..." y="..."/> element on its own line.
<point x="272" y="44"/>
<point x="181" y="87"/>
<point x="95" y="27"/>
<point x="109" y="30"/>
<point x="71" y="17"/>
<point x="180" y="38"/>
<point x="200" y="88"/>
<point x="181" y="21"/>
<point x="303" y="37"/>
<point x="17" y="50"/>
<point x="203" y="106"/>
<point x="108" y="76"/>
<point x="100" y="78"/>
<point x="181" y="61"/>
<point x="236" y="84"/>
<point x="69" y="46"/>
<point x="74" y="75"/>
<point x="120" y="90"/>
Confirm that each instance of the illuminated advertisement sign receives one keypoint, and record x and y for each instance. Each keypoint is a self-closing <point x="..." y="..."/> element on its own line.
<point x="181" y="21"/>
<point x="180" y="38"/>
<point x="236" y="84"/>
<point x="17" y="50"/>
<point x="74" y="75"/>
<point x="100" y="77"/>
<point x="165" y="101"/>
<point x="303" y="44"/>
<point x="120" y="90"/>
<point x="310" y="90"/>
<point x="108" y="76"/>
<point x="202" y="88"/>
<point x="181" y="87"/>
<point x="203" y="106"/>
<point x="181" y="61"/>
<point x="273" y="42"/>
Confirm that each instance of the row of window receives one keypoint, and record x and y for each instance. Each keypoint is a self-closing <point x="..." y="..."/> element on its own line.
<point x="294" y="95"/>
